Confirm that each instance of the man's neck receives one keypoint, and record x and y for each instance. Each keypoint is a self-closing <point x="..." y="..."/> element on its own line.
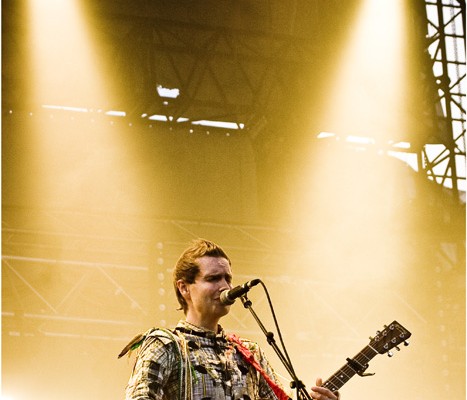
<point x="211" y="325"/>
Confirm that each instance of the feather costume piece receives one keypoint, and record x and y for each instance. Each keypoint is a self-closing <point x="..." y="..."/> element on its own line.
<point x="134" y="344"/>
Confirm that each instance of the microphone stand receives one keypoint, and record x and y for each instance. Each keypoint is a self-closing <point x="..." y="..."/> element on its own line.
<point x="296" y="383"/>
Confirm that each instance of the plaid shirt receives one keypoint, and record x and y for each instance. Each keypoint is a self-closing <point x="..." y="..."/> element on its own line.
<point x="194" y="364"/>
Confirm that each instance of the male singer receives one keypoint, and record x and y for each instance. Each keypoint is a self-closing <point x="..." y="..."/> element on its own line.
<point x="198" y="360"/>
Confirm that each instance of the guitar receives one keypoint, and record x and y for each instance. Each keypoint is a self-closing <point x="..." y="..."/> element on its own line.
<point x="391" y="336"/>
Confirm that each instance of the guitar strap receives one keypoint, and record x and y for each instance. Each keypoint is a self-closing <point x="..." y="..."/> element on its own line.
<point x="250" y="359"/>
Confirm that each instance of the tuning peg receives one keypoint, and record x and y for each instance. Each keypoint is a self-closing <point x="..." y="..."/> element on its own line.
<point x="406" y="342"/>
<point x="371" y="338"/>
<point x="390" y="353"/>
<point x="397" y="348"/>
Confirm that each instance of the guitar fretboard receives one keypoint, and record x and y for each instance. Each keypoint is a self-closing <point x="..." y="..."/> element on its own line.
<point x="343" y="375"/>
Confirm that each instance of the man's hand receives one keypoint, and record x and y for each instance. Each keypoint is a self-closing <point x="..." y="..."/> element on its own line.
<point x="320" y="393"/>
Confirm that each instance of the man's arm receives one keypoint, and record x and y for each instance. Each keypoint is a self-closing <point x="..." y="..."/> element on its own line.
<point x="156" y="372"/>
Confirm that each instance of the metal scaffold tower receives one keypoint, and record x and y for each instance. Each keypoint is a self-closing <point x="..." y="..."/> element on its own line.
<point x="446" y="47"/>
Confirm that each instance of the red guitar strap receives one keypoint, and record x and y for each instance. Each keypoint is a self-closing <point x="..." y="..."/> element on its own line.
<point x="250" y="359"/>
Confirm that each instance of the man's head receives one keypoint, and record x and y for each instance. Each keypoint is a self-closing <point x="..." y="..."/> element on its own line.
<point x="187" y="267"/>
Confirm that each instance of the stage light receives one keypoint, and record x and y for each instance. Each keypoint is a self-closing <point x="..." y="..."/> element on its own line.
<point x="116" y="113"/>
<point x="81" y="163"/>
<point x="166" y="92"/>
<point x="402" y="145"/>
<point x="367" y="89"/>
<point x="346" y="186"/>
<point x="157" y="117"/>
<point x="65" y="61"/>
<point x="219" y="124"/>
<point x="65" y="108"/>
<point x="324" y="135"/>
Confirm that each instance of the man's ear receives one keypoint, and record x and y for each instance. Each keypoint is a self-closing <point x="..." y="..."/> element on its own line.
<point x="183" y="288"/>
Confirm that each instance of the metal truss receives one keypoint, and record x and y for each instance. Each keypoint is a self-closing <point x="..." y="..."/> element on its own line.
<point x="222" y="73"/>
<point x="231" y="74"/>
<point x="56" y="279"/>
<point x="446" y="46"/>
<point x="80" y="274"/>
<point x="93" y="278"/>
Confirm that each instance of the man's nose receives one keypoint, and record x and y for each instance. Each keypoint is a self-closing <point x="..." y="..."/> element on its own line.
<point x="226" y="284"/>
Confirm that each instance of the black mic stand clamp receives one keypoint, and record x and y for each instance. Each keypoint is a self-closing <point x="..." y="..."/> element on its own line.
<point x="296" y="383"/>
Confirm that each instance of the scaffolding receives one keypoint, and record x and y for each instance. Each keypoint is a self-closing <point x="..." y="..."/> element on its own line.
<point x="444" y="161"/>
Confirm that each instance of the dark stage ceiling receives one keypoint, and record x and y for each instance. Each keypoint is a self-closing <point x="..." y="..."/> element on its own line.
<point x="266" y="64"/>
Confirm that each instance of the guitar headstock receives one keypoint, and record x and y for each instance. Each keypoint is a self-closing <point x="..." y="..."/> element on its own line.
<point x="390" y="337"/>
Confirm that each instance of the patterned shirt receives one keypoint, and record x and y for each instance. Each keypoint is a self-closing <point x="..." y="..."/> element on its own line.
<point x="191" y="363"/>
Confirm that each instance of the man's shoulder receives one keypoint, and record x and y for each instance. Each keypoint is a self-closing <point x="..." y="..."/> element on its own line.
<point x="159" y="336"/>
<point x="165" y="335"/>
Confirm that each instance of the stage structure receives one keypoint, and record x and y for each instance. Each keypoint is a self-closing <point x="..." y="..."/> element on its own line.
<point x="446" y="48"/>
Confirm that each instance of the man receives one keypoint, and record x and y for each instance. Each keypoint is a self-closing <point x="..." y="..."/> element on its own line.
<point x="198" y="360"/>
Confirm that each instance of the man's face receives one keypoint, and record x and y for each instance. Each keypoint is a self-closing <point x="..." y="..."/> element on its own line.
<point x="214" y="277"/>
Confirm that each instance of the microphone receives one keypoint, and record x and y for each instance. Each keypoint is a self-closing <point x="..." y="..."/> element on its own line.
<point x="228" y="297"/>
